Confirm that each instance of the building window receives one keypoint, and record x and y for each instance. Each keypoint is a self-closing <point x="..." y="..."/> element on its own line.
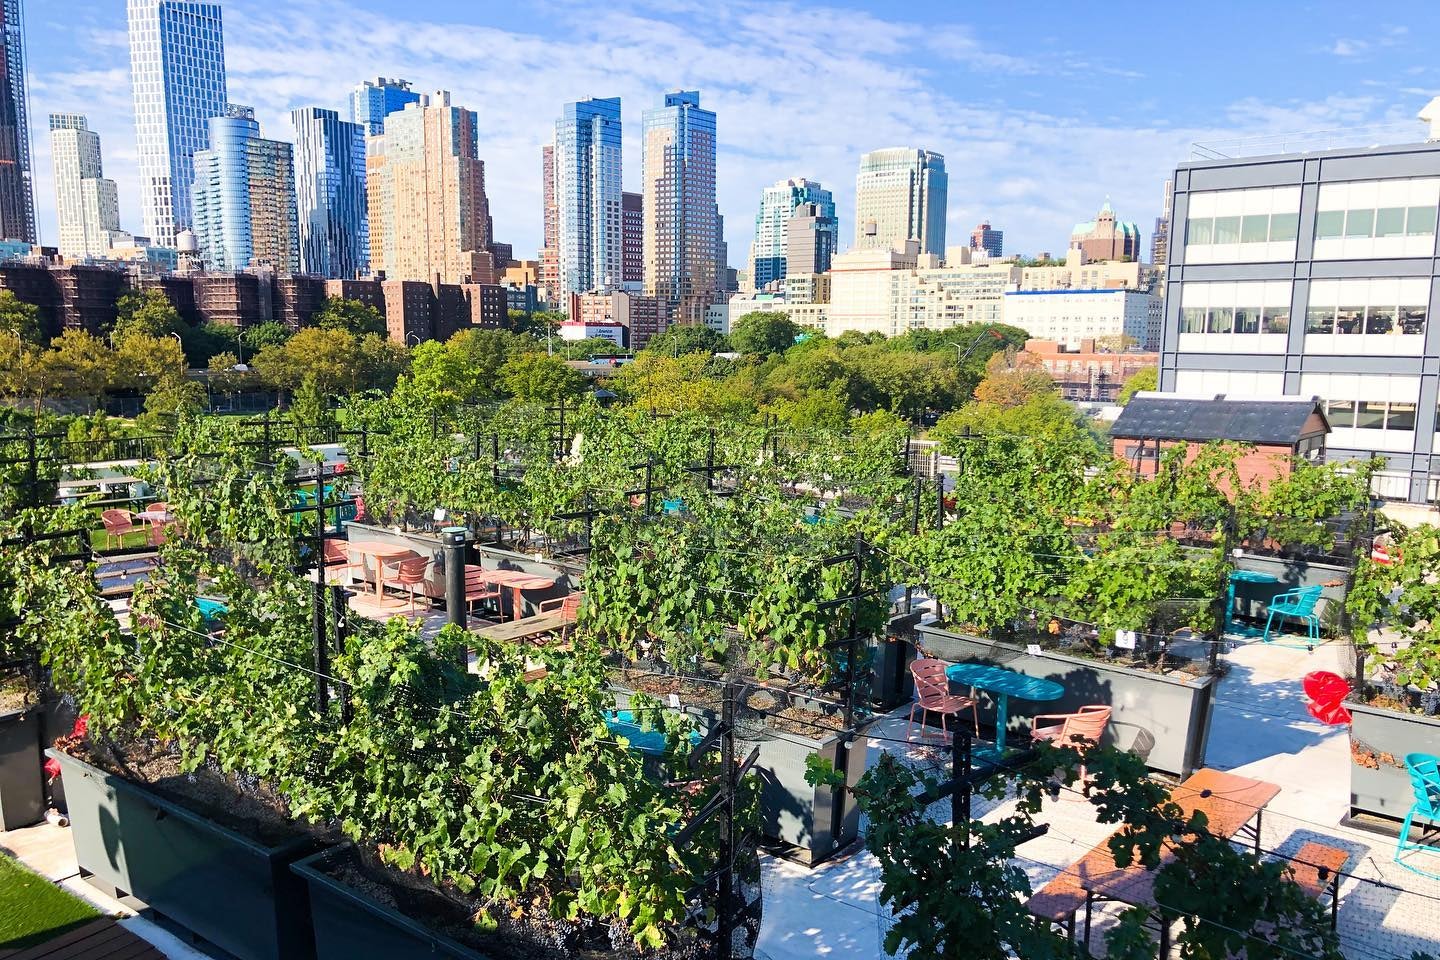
<point x="1376" y="218"/>
<point x="1370" y="415"/>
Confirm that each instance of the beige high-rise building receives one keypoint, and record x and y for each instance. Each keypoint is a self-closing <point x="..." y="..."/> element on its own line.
<point x="429" y="216"/>
<point x="900" y="195"/>
<point x="85" y="202"/>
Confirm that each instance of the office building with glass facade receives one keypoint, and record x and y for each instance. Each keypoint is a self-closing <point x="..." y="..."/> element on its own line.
<point x="1315" y="275"/>
<point x="900" y="195"/>
<point x="17" y="199"/>
<point x="587" y="194"/>
<point x="245" y="213"/>
<point x="810" y="237"/>
<point x="682" y="234"/>
<point x="330" y="194"/>
<point x="374" y="100"/>
<point x="177" y="76"/>
<point x="777" y="204"/>
<point x="86" y="204"/>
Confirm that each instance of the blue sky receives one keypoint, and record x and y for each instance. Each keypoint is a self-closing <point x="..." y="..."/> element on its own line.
<point x="1041" y="109"/>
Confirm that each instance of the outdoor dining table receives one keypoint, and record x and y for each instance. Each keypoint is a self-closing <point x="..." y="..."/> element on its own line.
<point x="155" y="516"/>
<point x="517" y="580"/>
<point x="1243" y="576"/>
<point x="381" y="552"/>
<point x="1003" y="684"/>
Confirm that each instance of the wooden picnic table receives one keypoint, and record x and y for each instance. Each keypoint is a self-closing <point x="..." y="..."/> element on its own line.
<point x="381" y="552"/>
<point x="516" y="580"/>
<point x="1230" y="804"/>
<point x="526" y="628"/>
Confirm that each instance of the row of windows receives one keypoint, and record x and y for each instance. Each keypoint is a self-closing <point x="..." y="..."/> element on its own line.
<point x="1373" y="320"/>
<point x="1375" y="222"/>
<point x="1370" y="415"/>
<point x="1235" y="319"/>
<point x="1251" y="228"/>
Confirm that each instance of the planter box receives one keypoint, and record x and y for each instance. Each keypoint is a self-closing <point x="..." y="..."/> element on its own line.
<point x="1163" y="718"/>
<point x="815" y="821"/>
<point x="891" y="683"/>
<point x="1384" y="737"/>
<point x="350" y="925"/>
<point x="22" y="783"/>
<point x="236" y="893"/>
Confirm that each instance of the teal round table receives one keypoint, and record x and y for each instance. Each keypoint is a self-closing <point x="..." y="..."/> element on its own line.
<point x="1242" y="576"/>
<point x="1003" y="684"/>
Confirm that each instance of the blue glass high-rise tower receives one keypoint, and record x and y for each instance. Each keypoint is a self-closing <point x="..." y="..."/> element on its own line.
<point x="777" y="204"/>
<point x="373" y="101"/>
<point x="17" y="200"/>
<point x="245" y="197"/>
<point x="589" y="221"/>
<point x="330" y="194"/>
<point x="177" y="75"/>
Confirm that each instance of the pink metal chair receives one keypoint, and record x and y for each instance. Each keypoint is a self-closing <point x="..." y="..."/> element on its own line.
<point x="411" y="576"/>
<point x="117" y="524"/>
<point x="932" y="695"/>
<point x="159" y="533"/>
<point x="478" y="587"/>
<point x="567" y="606"/>
<point x="339" y="561"/>
<point x="1087" y="723"/>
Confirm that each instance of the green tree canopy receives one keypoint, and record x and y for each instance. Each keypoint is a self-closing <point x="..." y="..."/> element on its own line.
<point x="271" y="333"/>
<point x="352" y="316"/>
<point x="684" y="338"/>
<point x="763" y="332"/>
<point x="1147" y="379"/>
<point x="146" y="312"/>
<point x="535" y="376"/>
<point x="20" y="318"/>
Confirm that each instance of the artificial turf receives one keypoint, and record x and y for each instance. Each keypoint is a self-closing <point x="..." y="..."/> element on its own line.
<point x="33" y="910"/>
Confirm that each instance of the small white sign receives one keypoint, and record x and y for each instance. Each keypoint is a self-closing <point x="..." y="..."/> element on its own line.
<point x="1033" y="649"/>
<point x="674" y="702"/>
<point x="439" y="514"/>
<point x="1125" y="639"/>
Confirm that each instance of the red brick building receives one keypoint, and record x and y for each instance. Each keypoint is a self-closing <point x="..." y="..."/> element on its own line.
<point x="1088" y="373"/>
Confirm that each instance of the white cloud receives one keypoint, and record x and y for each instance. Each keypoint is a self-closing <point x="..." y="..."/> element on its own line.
<point x="804" y="100"/>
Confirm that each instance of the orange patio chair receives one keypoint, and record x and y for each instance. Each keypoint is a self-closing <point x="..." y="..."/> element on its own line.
<point x="117" y="524"/>
<point x="411" y="576"/>
<point x="1088" y="723"/>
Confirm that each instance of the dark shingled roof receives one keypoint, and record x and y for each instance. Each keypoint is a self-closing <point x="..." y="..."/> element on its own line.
<point x="1186" y="418"/>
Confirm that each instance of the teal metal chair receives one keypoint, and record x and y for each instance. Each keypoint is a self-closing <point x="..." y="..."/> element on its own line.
<point x="1297" y="604"/>
<point x="1425" y="778"/>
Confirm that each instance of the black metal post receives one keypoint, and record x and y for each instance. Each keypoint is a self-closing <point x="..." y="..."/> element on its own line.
<point x="322" y="650"/>
<point x="454" y="540"/>
<point x="649" y="486"/>
<point x="939" y="500"/>
<point x="961" y="747"/>
<point x="710" y="462"/>
<point x="339" y="613"/>
<point x="727" y="823"/>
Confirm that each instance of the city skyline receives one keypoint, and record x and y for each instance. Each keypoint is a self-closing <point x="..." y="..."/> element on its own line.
<point x="1013" y="110"/>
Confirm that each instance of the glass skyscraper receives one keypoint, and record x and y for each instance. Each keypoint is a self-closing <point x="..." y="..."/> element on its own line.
<point x="777" y="204"/>
<point x="177" y="74"/>
<point x="373" y="101"/>
<point x="900" y="195"/>
<point x="330" y="194"/>
<point x="245" y="197"/>
<point x="17" y="201"/>
<point x="681" y="230"/>
<point x="589" y="222"/>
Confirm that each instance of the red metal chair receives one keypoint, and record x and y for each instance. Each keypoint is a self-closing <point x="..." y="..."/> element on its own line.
<point x="478" y="587"/>
<point x="339" y="561"/>
<point x="1088" y="723"/>
<point x="1326" y="693"/>
<point x="932" y="695"/>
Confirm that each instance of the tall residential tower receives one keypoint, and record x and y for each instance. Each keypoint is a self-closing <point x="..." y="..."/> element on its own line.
<point x="330" y="194"/>
<point x="429" y="215"/>
<point x="681" y="232"/>
<point x="587" y="194"/>
<point x="17" y="201"/>
<point x="777" y="204"/>
<point x="900" y="195"/>
<point x="374" y="100"/>
<point x="245" y="197"/>
<point x="177" y="75"/>
<point x="86" y="204"/>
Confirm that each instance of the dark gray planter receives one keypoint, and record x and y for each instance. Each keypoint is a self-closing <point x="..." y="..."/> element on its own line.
<point x="1383" y="737"/>
<point x="22" y="783"/>
<point x="891" y="682"/>
<point x="814" y="821"/>
<point x="226" y="888"/>
<point x="1291" y="574"/>
<point x="350" y="925"/>
<point x="1163" y="718"/>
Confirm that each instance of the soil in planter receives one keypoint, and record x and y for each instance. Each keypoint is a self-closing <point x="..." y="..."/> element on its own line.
<point x="251" y="810"/>
<point x="452" y="914"/>
<point x="791" y="718"/>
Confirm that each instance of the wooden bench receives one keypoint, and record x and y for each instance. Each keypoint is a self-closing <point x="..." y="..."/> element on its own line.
<point x="1058" y="902"/>
<point x="98" y="938"/>
<point x="1316" y="867"/>
<point x="526" y="628"/>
